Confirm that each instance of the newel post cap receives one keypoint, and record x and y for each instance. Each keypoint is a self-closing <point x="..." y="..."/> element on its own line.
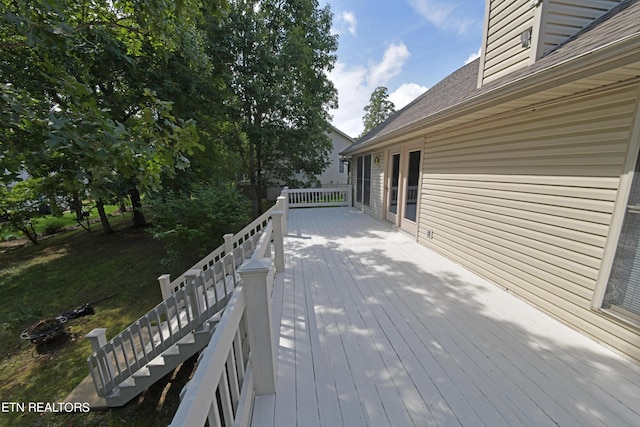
<point x="255" y="266"/>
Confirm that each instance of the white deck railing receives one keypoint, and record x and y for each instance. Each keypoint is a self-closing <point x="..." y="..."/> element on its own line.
<point x="229" y="367"/>
<point x="165" y="325"/>
<point x="188" y="302"/>
<point x="241" y="245"/>
<point x="318" y="197"/>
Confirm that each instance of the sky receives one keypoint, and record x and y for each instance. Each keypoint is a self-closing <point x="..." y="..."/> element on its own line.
<point x="406" y="46"/>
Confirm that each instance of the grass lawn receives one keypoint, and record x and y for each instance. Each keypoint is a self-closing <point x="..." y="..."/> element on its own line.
<point x="62" y="273"/>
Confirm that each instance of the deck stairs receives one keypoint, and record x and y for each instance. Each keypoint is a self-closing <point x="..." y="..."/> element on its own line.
<point x="162" y="365"/>
<point x="176" y="329"/>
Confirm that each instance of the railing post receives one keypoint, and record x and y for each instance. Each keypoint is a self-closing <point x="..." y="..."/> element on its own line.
<point x="285" y="194"/>
<point x="278" y="242"/>
<point x="280" y="206"/>
<point x="349" y="195"/>
<point x="197" y="304"/>
<point x="98" y="339"/>
<point x="165" y="286"/>
<point x="228" y="244"/>
<point x="254" y="275"/>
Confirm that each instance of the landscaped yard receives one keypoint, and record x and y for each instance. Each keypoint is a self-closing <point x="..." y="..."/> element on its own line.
<point x="62" y="273"/>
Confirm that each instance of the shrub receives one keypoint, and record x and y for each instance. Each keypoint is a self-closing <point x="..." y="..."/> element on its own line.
<point x="53" y="227"/>
<point x="193" y="224"/>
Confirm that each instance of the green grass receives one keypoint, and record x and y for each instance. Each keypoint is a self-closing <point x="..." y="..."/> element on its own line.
<point x="61" y="273"/>
<point x="68" y="219"/>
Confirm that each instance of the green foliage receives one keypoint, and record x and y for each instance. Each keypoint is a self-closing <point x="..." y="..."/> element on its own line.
<point x="193" y="224"/>
<point x="378" y="110"/>
<point x="20" y="205"/>
<point x="53" y="227"/>
<point x="76" y="108"/>
<point x="278" y="55"/>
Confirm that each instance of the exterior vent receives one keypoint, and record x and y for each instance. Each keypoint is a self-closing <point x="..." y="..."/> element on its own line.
<point x="525" y="38"/>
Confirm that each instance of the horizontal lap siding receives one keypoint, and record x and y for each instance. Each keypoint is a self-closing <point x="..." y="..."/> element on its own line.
<point x="503" y="49"/>
<point x="562" y="19"/>
<point x="527" y="200"/>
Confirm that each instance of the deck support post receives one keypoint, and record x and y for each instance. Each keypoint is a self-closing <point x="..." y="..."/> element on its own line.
<point x="254" y="274"/>
<point x="165" y="286"/>
<point x="278" y="240"/>
<point x="349" y="195"/>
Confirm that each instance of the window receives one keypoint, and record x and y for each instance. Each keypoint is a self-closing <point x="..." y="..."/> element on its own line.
<point x="623" y="289"/>
<point x="340" y="166"/>
<point x="363" y="180"/>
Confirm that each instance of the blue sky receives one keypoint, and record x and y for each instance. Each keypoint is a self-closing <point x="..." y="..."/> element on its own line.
<point x="405" y="45"/>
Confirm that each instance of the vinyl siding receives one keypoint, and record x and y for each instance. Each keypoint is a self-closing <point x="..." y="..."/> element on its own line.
<point x="526" y="201"/>
<point x="562" y="19"/>
<point x="552" y="23"/>
<point x="376" y="208"/>
<point x="503" y="51"/>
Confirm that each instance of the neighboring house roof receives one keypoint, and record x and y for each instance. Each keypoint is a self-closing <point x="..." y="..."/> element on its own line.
<point x="621" y="23"/>
<point x="339" y="132"/>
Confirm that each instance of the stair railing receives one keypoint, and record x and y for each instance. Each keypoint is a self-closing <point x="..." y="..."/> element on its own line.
<point x="170" y="321"/>
<point x="188" y="302"/>
<point x="240" y="360"/>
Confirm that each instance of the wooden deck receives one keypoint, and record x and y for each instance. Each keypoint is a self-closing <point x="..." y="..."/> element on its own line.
<point x="377" y="330"/>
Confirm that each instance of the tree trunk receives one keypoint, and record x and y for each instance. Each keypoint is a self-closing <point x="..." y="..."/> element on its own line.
<point x="123" y="207"/>
<point x="77" y="207"/>
<point x="30" y="232"/>
<point x="256" y="207"/>
<point x="106" y="227"/>
<point x="136" y="205"/>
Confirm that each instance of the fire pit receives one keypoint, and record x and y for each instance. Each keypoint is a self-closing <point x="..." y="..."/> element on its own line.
<point x="47" y="330"/>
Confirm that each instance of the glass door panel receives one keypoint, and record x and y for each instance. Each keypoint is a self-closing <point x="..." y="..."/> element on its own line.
<point x="394" y="184"/>
<point x="413" y="180"/>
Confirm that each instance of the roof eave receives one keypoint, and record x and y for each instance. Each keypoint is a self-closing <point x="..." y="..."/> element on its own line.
<point x="619" y="53"/>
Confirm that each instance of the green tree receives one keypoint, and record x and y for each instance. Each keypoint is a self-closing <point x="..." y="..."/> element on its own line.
<point x="192" y="224"/>
<point x="19" y="206"/>
<point x="73" y="86"/>
<point x="379" y="109"/>
<point x="278" y="55"/>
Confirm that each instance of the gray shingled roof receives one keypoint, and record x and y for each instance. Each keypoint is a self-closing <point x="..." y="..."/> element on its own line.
<point x="620" y="22"/>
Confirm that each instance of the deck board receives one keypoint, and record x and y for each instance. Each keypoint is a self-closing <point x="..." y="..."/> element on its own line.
<point x="377" y="330"/>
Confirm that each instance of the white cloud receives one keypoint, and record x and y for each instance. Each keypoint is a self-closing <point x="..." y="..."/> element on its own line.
<point x="444" y="14"/>
<point x="406" y="93"/>
<point x="473" y="56"/>
<point x="350" y="19"/>
<point x="355" y="85"/>
<point x="391" y="65"/>
<point x="345" y="21"/>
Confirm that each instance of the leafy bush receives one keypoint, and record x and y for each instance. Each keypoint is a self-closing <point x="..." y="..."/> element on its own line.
<point x="193" y="224"/>
<point x="53" y="227"/>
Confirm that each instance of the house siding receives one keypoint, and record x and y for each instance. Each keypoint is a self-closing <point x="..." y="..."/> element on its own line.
<point x="376" y="208"/>
<point x="502" y="50"/>
<point x="562" y="19"/>
<point x="552" y="23"/>
<point x="332" y="177"/>
<point x="527" y="200"/>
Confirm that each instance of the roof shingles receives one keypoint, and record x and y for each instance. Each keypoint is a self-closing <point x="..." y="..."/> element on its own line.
<point x="620" y="22"/>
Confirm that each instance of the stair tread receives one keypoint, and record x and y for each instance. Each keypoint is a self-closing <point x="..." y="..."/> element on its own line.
<point x="165" y="361"/>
